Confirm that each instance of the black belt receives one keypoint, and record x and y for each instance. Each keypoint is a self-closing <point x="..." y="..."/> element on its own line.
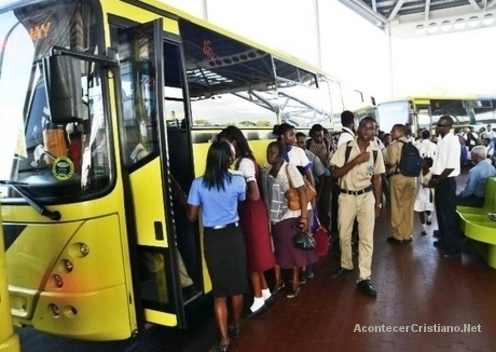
<point x="356" y="193"/>
<point x="232" y="224"/>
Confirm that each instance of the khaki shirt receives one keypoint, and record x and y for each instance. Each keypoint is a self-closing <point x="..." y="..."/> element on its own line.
<point x="360" y="176"/>
<point x="393" y="154"/>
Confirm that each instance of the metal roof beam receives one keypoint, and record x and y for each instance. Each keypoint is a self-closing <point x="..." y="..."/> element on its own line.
<point x="397" y="8"/>
<point x="374" y="6"/>
<point x="365" y="11"/>
<point x="427" y="9"/>
<point x="474" y="4"/>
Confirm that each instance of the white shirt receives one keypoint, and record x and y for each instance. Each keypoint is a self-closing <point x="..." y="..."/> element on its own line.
<point x="346" y="136"/>
<point x="427" y="149"/>
<point x="247" y="168"/>
<point x="448" y="155"/>
<point x="297" y="157"/>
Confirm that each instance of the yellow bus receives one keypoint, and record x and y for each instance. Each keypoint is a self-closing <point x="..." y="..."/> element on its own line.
<point x="423" y="112"/>
<point x="9" y="341"/>
<point x="102" y="105"/>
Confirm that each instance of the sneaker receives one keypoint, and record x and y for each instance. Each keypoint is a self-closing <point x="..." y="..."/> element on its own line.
<point x="303" y="277"/>
<point x="310" y="272"/>
<point x="293" y="291"/>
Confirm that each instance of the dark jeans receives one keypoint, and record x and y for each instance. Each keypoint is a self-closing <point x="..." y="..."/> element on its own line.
<point x="449" y="223"/>
<point x="470" y="201"/>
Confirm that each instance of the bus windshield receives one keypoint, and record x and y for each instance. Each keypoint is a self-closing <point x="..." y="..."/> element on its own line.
<point x="392" y="113"/>
<point x="52" y="162"/>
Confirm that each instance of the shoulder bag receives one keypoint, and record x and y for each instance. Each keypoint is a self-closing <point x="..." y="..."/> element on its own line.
<point x="292" y="194"/>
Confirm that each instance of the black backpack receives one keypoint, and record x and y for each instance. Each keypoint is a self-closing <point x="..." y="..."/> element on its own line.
<point x="410" y="163"/>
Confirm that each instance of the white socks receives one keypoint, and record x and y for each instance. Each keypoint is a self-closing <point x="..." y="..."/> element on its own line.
<point x="424" y="227"/>
<point x="266" y="294"/>
<point x="258" y="302"/>
<point x="429" y="218"/>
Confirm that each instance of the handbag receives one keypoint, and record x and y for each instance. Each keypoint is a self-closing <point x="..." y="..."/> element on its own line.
<point x="321" y="238"/>
<point x="292" y="194"/>
<point x="304" y="240"/>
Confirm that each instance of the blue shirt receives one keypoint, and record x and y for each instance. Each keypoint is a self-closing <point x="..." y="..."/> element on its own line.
<point x="477" y="179"/>
<point x="219" y="207"/>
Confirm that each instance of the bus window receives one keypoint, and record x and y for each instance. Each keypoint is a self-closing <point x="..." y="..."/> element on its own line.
<point x="392" y="113"/>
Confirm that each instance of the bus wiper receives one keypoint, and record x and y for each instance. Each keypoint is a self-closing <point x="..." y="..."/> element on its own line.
<point x="54" y="215"/>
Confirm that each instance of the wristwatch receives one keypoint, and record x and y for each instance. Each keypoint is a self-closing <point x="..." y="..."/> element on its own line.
<point x="379" y="205"/>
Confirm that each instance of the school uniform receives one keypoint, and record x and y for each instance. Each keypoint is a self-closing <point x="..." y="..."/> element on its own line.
<point x="224" y="246"/>
<point x="402" y="190"/>
<point x="356" y="200"/>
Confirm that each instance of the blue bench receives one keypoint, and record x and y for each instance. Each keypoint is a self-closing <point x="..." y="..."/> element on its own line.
<point x="476" y="225"/>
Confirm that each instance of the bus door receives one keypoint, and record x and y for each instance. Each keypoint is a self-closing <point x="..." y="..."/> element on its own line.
<point x="157" y="153"/>
<point x="423" y="117"/>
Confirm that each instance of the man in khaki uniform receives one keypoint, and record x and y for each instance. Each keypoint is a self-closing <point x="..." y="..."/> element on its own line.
<point x="360" y="197"/>
<point x="403" y="190"/>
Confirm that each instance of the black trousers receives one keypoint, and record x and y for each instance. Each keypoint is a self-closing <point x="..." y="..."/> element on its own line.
<point x="447" y="218"/>
<point x="470" y="201"/>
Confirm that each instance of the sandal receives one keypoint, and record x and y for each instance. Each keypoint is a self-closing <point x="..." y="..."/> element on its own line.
<point x="223" y="348"/>
<point x="279" y="286"/>
<point x="293" y="292"/>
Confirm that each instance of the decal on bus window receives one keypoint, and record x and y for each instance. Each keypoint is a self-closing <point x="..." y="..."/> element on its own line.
<point x="63" y="168"/>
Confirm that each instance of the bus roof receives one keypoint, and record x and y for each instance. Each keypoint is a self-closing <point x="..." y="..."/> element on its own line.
<point x="279" y="54"/>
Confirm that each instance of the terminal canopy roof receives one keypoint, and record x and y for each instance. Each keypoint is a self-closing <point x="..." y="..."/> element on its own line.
<point x="411" y="18"/>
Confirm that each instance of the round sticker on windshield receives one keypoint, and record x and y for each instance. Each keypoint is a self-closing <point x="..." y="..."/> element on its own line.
<point x="63" y="168"/>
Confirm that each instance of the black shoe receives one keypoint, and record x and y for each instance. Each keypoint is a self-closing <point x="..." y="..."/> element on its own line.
<point x="303" y="277"/>
<point x="428" y="222"/>
<point x="339" y="272"/>
<point x="423" y="233"/>
<point x="393" y="240"/>
<point x="269" y="302"/>
<point x="234" y="332"/>
<point x="451" y="254"/>
<point x="366" y="287"/>
<point x="259" y="311"/>
<point x="436" y="234"/>
<point x="407" y="241"/>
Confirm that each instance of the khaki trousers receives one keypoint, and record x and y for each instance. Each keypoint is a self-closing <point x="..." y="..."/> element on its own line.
<point x="403" y="192"/>
<point x="362" y="208"/>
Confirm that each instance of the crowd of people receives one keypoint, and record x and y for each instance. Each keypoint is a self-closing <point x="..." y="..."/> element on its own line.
<point x="250" y="221"/>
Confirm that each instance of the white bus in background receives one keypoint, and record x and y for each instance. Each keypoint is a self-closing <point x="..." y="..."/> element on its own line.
<point x="424" y="112"/>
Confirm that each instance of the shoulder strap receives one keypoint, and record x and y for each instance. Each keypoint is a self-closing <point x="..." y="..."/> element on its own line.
<point x="374" y="153"/>
<point x="347" y="152"/>
<point x="290" y="181"/>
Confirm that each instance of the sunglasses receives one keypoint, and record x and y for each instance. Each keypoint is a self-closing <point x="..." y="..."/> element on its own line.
<point x="441" y="125"/>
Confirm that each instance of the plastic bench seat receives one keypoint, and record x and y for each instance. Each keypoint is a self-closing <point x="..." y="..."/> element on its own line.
<point x="476" y="225"/>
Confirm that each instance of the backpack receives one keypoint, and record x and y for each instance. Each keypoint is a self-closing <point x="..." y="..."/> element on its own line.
<point x="410" y="163"/>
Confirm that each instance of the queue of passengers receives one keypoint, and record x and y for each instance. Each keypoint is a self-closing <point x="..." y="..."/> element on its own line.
<point x="249" y="226"/>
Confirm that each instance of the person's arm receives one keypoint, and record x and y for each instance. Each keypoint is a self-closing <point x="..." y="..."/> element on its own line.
<point x="307" y="165"/>
<point x="247" y="167"/>
<point x="338" y="172"/>
<point x="469" y="186"/>
<point x="377" y="183"/>
<point x="194" y="201"/>
<point x="392" y="155"/>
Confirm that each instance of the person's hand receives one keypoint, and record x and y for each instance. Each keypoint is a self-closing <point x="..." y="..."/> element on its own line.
<point x="377" y="212"/>
<point x="181" y="198"/>
<point x="432" y="184"/>
<point x="304" y="223"/>
<point x="363" y="157"/>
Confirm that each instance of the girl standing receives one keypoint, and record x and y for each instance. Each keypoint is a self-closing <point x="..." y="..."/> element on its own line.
<point x="217" y="193"/>
<point x="254" y="222"/>
<point x="423" y="202"/>
<point x="286" y="223"/>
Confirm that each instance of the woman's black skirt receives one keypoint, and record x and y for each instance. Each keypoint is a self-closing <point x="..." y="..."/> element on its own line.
<point x="225" y="255"/>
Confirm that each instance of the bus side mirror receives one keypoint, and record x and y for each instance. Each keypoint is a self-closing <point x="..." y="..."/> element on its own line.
<point x="62" y="75"/>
